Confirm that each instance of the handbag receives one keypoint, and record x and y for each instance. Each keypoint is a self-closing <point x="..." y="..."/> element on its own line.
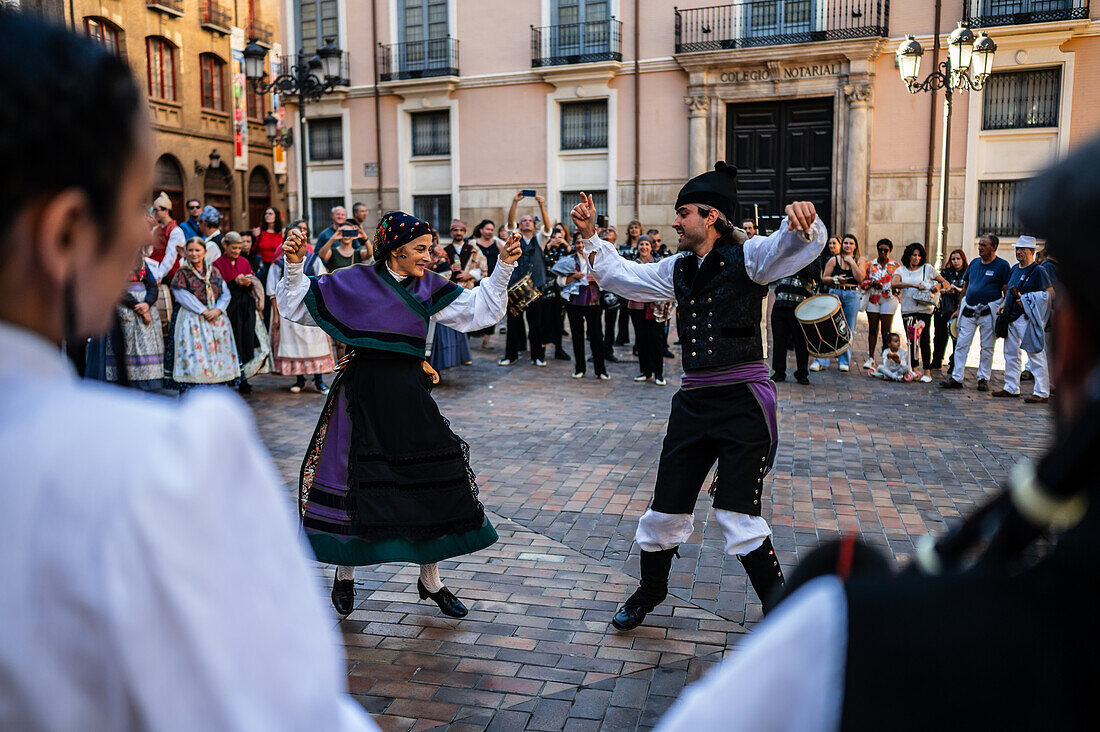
<point x="926" y="297"/>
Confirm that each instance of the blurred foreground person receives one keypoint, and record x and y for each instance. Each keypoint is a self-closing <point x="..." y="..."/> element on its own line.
<point x="988" y="631"/>
<point x="152" y="579"/>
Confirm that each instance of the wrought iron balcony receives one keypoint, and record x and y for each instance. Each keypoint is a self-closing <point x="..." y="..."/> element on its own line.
<point x="754" y="23"/>
<point x="986" y="13"/>
<point x="418" y="59"/>
<point x="264" y="33"/>
<point x="215" y="16"/>
<point x="168" y="7"/>
<point x="577" y="43"/>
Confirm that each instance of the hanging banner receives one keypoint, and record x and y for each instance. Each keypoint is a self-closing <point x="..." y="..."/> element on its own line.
<point x="240" y="104"/>
<point x="278" y="153"/>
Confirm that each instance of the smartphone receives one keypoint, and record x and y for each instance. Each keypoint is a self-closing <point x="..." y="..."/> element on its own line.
<point x="601" y="221"/>
<point x="528" y="193"/>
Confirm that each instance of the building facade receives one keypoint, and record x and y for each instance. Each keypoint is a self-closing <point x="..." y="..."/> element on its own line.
<point x="453" y="107"/>
<point x="182" y="53"/>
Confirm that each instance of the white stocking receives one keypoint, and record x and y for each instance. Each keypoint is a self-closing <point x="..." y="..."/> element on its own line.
<point x="429" y="575"/>
<point x="345" y="573"/>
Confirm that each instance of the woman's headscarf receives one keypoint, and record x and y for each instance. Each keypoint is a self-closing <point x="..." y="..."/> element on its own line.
<point x="396" y="229"/>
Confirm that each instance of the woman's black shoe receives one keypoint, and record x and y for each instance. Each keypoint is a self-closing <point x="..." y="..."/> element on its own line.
<point x="448" y="603"/>
<point x="669" y="354"/>
<point x="343" y="596"/>
<point x="244" y="387"/>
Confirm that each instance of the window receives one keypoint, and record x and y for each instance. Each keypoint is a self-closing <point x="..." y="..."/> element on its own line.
<point x="317" y="20"/>
<point x="431" y="133"/>
<point x="997" y="206"/>
<point x="321" y="211"/>
<point x="161" y="68"/>
<point x="584" y="125"/>
<point x="569" y="199"/>
<point x="213" y="82"/>
<point x="167" y="177"/>
<point x="1021" y="99"/>
<point x="423" y="20"/>
<point x="106" y="33"/>
<point x="436" y="210"/>
<point x="326" y="139"/>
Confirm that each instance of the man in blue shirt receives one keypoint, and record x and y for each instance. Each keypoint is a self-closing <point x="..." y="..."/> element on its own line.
<point x="190" y="227"/>
<point x="983" y="283"/>
<point x="1026" y="277"/>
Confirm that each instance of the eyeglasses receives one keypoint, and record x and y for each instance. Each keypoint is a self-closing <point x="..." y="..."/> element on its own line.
<point x="192" y="208"/>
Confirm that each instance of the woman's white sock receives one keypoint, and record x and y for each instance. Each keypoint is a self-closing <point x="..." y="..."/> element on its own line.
<point x="429" y="575"/>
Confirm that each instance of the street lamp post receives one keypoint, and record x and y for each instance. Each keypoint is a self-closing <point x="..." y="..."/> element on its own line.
<point x="310" y="79"/>
<point x="968" y="65"/>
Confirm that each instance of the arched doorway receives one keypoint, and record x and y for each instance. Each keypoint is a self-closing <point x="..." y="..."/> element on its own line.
<point x="259" y="195"/>
<point x="168" y="177"/>
<point x="217" y="191"/>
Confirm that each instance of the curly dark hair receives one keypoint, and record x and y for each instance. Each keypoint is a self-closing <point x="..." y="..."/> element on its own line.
<point x="914" y="247"/>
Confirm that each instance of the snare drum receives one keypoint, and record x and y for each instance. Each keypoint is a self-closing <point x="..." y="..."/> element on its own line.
<point x="521" y="294"/>
<point x="822" y="320"/>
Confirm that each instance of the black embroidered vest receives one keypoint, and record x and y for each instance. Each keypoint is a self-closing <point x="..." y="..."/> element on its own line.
<point x="718" y="308"/>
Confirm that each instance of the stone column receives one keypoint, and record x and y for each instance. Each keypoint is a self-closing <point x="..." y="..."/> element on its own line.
<point x="697" y="134"/>
<point x="859" y="159"/>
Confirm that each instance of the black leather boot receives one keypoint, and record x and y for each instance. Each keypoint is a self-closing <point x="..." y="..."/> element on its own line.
<point x="762" y="567"/>
<point x="651" y="592"/>
<point x="343" y="596"/>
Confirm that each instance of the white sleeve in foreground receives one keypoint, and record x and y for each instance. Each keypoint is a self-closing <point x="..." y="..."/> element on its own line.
<point x="215" y="615"/>
<point x="290" y="293"/>
<point x="788" y="675"/>
<point x="481" y="306"/>
<point x="784" y="252"/>
<point x="632" y="280"/>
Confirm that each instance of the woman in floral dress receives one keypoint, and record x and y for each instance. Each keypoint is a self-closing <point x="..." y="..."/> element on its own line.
<point x="205" y="352"/>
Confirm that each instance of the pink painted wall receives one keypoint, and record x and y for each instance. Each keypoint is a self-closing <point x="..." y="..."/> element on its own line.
<point x="502" y="130"/>
<point x="495" y="37"/>
<point x="1085" y="114"/>
<point x="664" y="125"/>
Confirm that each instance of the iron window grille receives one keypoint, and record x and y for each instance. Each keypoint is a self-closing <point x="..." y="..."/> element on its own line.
<point x="997" y="206"/>
<point x="569" y="199"/>
<point x="1022" y="99"/>
<point x="584" y="125"/>
<point x="431" y="133"/>
<point x="326" y="139"/>
<point x="436" y="210"/>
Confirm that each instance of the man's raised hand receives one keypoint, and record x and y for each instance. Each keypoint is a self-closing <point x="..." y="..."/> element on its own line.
<point x="584" y="216"/>
<point x="801" y="215"/>
<point x="295" y="246"/>
<point x="512" y="249"/>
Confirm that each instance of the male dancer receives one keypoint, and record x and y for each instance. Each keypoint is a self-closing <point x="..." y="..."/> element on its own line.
<point x="725" y="410"/>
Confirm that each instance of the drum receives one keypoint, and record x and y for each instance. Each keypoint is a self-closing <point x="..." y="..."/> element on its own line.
<point x="822" y="320"/>
<point x="521" y="294"/>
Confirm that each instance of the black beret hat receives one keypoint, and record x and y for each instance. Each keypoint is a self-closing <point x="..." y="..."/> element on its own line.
<point x="716" y="188"/>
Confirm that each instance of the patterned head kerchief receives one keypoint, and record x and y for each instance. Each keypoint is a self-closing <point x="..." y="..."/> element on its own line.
<point x="396" y="229"/>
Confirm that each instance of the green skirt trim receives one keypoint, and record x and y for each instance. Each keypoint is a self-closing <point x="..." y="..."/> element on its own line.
<point x="353" y="551"/>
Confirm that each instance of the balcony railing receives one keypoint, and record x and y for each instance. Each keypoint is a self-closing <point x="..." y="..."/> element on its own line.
<point x="753" y="23"/>
<point x="418" y="59"/>
<point x="264" y="33"/>
<point x="169" y="7"/>
<point x="215" y="16"/>
<point x="577" y="43"/>
<point x="986" y="13"/>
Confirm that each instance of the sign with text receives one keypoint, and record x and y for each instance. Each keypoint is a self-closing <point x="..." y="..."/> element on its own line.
<point x="785" y="73"/>
<point x="240" y="105"/>
<point x="279" y="152"/>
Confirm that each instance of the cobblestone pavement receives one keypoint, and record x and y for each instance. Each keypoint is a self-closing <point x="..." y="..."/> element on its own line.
<point x="566" y="468"/>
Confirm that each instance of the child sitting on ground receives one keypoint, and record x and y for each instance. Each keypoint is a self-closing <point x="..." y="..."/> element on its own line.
<point x="895" y="364"/>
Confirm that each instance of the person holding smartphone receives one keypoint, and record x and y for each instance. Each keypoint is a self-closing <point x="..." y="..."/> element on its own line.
<point x="339" y="250"/>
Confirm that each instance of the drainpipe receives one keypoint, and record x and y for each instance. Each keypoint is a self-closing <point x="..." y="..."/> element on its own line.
<point x="377" y="111"/>
<point x="637" y="110"/>
<point x="929" y="177"/>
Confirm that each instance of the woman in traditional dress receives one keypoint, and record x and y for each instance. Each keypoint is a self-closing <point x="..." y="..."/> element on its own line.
<point x="236" y="272"/>
<point x="136" y="333"/>
<point x="298" y="350"/>
<point x="384" y="478"/>
<point x="205" y="352"/>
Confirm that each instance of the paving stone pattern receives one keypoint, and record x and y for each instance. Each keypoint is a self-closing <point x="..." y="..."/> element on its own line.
<point x="566" y="468"/>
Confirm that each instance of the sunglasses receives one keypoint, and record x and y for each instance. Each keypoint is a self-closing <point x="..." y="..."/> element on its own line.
<point x="162" y="208"/>
<point x="194" y="208"/>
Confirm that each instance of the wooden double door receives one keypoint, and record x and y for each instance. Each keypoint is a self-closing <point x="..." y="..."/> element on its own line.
<point x="783" y="152"/>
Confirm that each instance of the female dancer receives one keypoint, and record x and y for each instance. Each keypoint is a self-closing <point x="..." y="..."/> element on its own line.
<point x="384" y="478"/>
